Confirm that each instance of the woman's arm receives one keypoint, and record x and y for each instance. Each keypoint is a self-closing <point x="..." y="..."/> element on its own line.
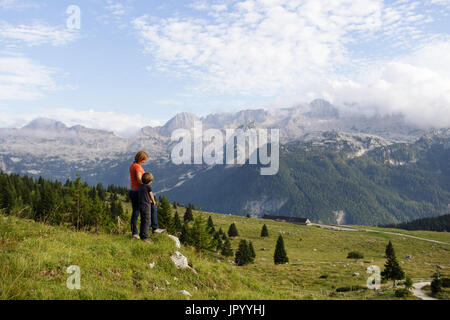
<point x="139" y="177"/>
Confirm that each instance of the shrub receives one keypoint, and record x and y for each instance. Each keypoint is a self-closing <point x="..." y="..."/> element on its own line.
<point x="355" y="255"/>
<point x="408" y="282"/>
<point x="350" y="288"/>
<point x="436" y="286"/>
<point x="402" y="293"/>
<point x="445" y="282"/>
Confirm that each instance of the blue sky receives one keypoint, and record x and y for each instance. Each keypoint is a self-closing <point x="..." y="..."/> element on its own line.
<point x="134" y="63"/>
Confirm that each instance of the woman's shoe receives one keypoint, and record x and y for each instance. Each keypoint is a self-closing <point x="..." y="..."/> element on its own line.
<point x="136" y="236"/>
<point x="159" y="231"/>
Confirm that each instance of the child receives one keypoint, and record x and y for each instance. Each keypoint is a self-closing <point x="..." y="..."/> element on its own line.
<point x="147" y="207"/>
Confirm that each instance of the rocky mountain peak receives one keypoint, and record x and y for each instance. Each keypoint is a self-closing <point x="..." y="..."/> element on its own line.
<point x="322" y="109"/>
<point x="45" y="124"/>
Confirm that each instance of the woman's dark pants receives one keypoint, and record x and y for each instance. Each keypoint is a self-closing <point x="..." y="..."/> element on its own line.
<point x="134" y="196"/>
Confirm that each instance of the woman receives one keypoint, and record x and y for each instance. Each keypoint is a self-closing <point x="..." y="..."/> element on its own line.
<point x="136" y="172"/>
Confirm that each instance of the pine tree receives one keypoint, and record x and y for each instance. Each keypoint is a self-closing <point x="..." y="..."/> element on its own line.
<point x="264" y="231"/>
<point x="185" y="235"/>
<point x="392" y="269"/>
<point x="8" y="196"/>
<point x="177" y="223"/>
<point x="201" y="239"/>
<point x="227" y="251"/>
<point x="101" y="192"/>
<point x="174" y="205"/>
<point x="116" y="210"/>
<point x="390" y="250"/>
<point x="243" y="255"/>
<point x="280" y="256"/>
<point x="165" y="218"/>
<point x="217" y="241"/>
<point x="252" y="252"/>
<point x="188" y="216"/>
<point x="77" y="201"/>
<point x="232" y="231"/>
<point x="211" y="225"/>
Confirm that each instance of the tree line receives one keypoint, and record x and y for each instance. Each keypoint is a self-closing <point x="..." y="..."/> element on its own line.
<point x="73" y="203"/>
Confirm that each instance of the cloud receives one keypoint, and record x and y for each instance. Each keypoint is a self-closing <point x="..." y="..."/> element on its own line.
<point x="17" y="4"/>
<point x="23" y="79"/>
<point x="364" y="52"/>
<point x="271" y="47"/>
<point x="119" y="123"/>
<point x="417" y="85"/>
<point x="37" y="34"/>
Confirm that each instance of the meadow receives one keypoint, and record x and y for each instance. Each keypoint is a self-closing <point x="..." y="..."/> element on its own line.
<point x="34" y="258"/>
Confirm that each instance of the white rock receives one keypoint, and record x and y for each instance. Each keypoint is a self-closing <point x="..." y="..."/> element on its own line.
<point x="356" y="274"/>
<point x="175" y="279"/>
<point x="184" y="292"/>
<point x="176" y="240"/>
<point x="314" y="249"/>
<point x="152" y="265"/>
<point x="181" y="262"/>
<point x="168" y="283"/>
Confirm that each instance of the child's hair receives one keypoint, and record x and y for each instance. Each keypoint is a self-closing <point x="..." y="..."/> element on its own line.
<point x="147" y="178"/>
<point x="141" y="156"/>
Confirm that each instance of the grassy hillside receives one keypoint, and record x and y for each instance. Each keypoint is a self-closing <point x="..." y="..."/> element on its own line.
<point x="34" y="258"/>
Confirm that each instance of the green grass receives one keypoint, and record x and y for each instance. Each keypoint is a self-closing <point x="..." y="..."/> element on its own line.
<point x="34" y="259"/>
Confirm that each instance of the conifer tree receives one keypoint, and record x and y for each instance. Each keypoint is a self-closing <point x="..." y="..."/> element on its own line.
<point x="392" y="269"/>
<point x="389" y="250"/>
<point x="101" y="192"/>
<point x="165" y="218"/>
<point x="77" y="201"/>
<point x="264" y="231"/>
<point x="280" y="256"/>
<point x="8" y="196"/>
<point x="188" y="216"/>
<point x="232" y="231"/>
<point x="217" y="240"/>
<point x="177" y="223"/>
<point x="201" y="239"/>
<point x="227" y="251"/>
<point x="252" y="252"/>
<point x="211" y="227"/>
<point x="185" y="235"/>
<point x="243" y="255"/>
<point x="116" y="209"/>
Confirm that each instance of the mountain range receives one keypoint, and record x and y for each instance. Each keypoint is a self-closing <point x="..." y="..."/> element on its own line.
<point x="335" y="167"/>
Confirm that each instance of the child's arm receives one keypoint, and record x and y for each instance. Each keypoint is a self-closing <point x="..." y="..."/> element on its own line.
<point x="152" y="198"/>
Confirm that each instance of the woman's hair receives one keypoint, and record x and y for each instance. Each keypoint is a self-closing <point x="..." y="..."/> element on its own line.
<point x="147" y="178"/>
<point x="141" y="156"/>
